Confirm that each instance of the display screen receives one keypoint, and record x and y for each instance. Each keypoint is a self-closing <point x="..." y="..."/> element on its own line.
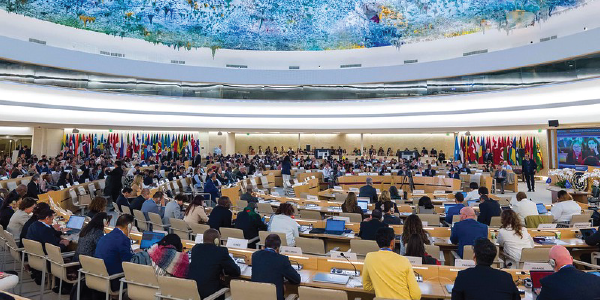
<point x="578" y="148"/>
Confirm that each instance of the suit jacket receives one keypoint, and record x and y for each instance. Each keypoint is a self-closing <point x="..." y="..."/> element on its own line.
<point x="429" y="172"/>
<point x="114" y="248"/>
<point x="211" y="188"/>
<point x="249" y="198"/>
<point x="43" y="233"/>
<point x="220" y="217"/>
<point x="501" y="173"/>
<point x="137" y="203"/>
<point x="122" y="201"/>
<point x="455" y="176"/>
<point x="33" y="189"/>
<point x="473" y="283"/>
<point x="151" y="206"/>
<point x="466" y="232"/>
<point x="570" y="284"/>
<point x="368" y="191"/>
<point x="368" y="229"/>
<point x="208" y="263"/>
<point x="488" y="209"/>
<point x="488" y="157"/>
<point x="271" y="267"/>
<point x="251" y="225"/>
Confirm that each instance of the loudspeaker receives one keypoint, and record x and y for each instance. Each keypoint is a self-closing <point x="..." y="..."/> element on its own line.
<point x="307" y="148"/>
<point x="553" y="123"/>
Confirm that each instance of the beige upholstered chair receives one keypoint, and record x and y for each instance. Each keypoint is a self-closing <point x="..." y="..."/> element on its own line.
<point x="247" y="290"/>
<point x="141" y="281"/>
<point x="354" y="217"/>
<point x="96" y="276"/>
<point x="36" y="259"/>
<point x="309" y="293"/>
<point x="180" y="228"/>
<point x="362" y="247"/>
<point x="182" y="289"/>
<point x="311" y="246"/>
<point x="58" y="267"/>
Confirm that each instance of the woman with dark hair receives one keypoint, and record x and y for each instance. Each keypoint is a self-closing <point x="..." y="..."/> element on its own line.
<point x="98" y="205"/>
<point x="221" y="216"/>
<point x="350" y="205"/>
<point x="250" y="222"/>
<point x="65" y="177"/>
<point x="90" y="235"/>
<point x="513" y="237"/>
<point x="415" y="247"/>
<point x="426" y="206"/>
<point x="412" y="225"/>
<point x="194" y="213"/>
<point x="283" y="221"/>
<point x="6" y="212"/>
<point x="168" y="258"/>
<point x="394" y="194"/>
<point x="16" y="171"/>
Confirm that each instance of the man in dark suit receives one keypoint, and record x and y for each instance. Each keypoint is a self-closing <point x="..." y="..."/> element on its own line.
<point x="453" y="174"/>
<point x="209" y="262"/>
<point x="211" y="188"/>
<point x="369" y="191"/>
<point x="369" y="227"/>
<point x="16" y="194"/>
<point x="33" y="187"/>
<point x="568" y="283"/>
<point x="115" y="248"/>
<point x="467" y="230"/>
<point x="488" y="208"/>
<point x="488" y="156"/>
<point x="529" y="169"/>
<point x="247" y="196"/>
<point x="197" y="160"/>
<point x="139" y="200"/>
<point x="483" y="281"/>
<point x="123" y="199"/>
<point x="43" y="232"/>
<point x="269" y="266"/>
<point x="429" y="172"/>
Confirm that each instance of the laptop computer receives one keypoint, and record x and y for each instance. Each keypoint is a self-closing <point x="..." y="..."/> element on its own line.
<point x="471" y="203"/>
<point x="331" y="278"/>
<point x="448" y="206"/>
<point x="335" y="226"/>
<point x="536" y="276"/>
<point x="150" y="238"/>
<point x="364" y="205"/>
<point x="541" y="208"/>
<point x="75" y="224"/>
<point x="585" y="232"/>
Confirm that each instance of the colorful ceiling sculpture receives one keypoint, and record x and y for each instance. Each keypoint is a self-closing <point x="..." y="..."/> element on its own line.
<point x="290" y="25"/>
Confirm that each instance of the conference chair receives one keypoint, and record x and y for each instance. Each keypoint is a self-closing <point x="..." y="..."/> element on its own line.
<point x="241" y="204"/>
<point x="11" y="185"/>
<point x="182" y="289"/>
<point x="264" y="208"/>
<point x="3" y="247"/>
<point x="354" y="217"/>
<point x="180" y="228"/>
<point x="96" y="276"/>
<point x="262" y="235"/>
<point x="126" y="210"/>
<point x="535" y="255"/>
<point x="582" y="218"/>
<point x="186" y="189"/>
<point x="310" y="214"/>
<point x="468" y="254"/>
<point x="535" y="220"/>
<point x="362" y="247"/>
<point x="431" y="219"/>
<point x="141" y="281"/>
<point x="248" y="290"/>
<point x="340" y="197"/>
<point x="58" y="267"/>
<point x="75" y="201"/>
<point x="311" y="246"/>
<point x="17" y="254"/>
<point x="235" y="233"/>
<point x="198" y="228"/>
<point x="310" y="293"/>
<point x="156" y="222"/>
<point x="495" y="222"/>
<point x="36" y="259"/>
<point x="118" y="210"/>
<point x="265" y="183"/>
<point x="142" y="223"/>
<point x="102" y="184"/>
<point x="92" y="189"/>
<point x="434" y="251"/>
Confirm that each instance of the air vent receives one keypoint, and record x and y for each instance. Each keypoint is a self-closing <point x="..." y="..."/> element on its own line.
<point x="37" y="41"/>
<point x="113" y="54"/>
<point x="178" y="62"/>
<point x="475" y="52"/>
<point x="411" y="61"/>
<point x="351" y="66"/>
<point x="548" y="38"/>
<point x="237" y="66"/>
<point x="294" y="67"/>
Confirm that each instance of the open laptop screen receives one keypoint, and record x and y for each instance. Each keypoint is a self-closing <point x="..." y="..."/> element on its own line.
<point x="75" y="222"/>
<point x="536" y="276"/>
<point x="335" y="225"/>
<point x="364" y="205"/>
<point x="447" y="207"/>
<point x="150" y="238"/>
<point x="541" y="208"/>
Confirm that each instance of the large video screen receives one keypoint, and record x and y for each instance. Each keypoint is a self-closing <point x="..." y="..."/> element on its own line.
<point x="578" y="148"/>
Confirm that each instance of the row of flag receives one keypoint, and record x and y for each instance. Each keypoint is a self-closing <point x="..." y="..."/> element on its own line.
<point x="472" y="149"/>
<point x="127" y="144"/>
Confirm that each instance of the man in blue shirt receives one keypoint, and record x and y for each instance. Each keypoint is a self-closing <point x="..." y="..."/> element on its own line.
<point x="467" y="230"/>
<point x="152" y="205"/>
<point x="115" y="248"/>
<point x="455" y="210"/>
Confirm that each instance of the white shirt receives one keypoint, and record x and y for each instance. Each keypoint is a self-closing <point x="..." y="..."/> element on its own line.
<point x="563" y="211"/>
<point x="472" y="195"/>
<point x="513" y="244"/>
<point x="507" y="167"/>
<point x="525" y="208"/>
<point x="287" y="225"/>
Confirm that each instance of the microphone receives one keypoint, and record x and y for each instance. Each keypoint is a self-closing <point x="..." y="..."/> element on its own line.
<point x="344" y="256"/>
<point x="297" y="264"/>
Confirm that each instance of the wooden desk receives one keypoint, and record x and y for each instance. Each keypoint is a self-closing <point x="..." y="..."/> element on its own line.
<point x="579" y="196"/>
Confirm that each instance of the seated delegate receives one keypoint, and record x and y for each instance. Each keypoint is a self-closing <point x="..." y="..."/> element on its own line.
<point x="283" y="222"/>
<point x="369" y="227"/>
<point x="467" y="230"/>
<point x="269" y="266"/>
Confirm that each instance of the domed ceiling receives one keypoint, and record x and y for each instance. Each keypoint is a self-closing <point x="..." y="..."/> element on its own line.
<point x="290" y="25"/>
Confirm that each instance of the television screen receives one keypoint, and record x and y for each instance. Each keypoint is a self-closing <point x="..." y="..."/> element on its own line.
<point x="578" y="148"/>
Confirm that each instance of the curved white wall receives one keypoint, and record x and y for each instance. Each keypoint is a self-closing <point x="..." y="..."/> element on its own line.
<point x="576" y="102"/>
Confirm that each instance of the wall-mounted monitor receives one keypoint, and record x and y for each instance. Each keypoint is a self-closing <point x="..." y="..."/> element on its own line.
<point x="578" y="148"/>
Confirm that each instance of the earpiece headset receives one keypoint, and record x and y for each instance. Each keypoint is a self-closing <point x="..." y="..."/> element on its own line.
<point x="217" y="242"/>
<point x="552" y="263"/>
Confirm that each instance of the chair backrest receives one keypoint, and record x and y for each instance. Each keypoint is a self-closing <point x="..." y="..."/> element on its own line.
<point x="264" y="208"/>
<point x="496" y="222"/>
<point x="180" y="228"/>
<point x="248" y="290"/>
<point x="178" y="288"/>
<point x="11" y="185"/>
<point x="56" y="261"/>
<point x="433" y="250"/>
<point x="455" y="218"/>
<point x="156" y="221"/>
<point x="536" y="255"/>
<point x="74" y="197"/>
<point x="340" y="197"/>
<point x="91" y="189"/>
<point x="141" y="220"/>
<point x="264" y="234"/>
<point x="198" y="228"/>
<point x="35" y="255"/>
<point x="241" y="204"/>
<point x="142" y="282"/>
<point x="231" y="233"/>
<point x="354" y="217"/>
<point x="12" y="245"/>
<point x="311" y="246"/>
<point x="431" y="219"/>
<point x="583" y="218"/>
<point x="533" y="221"/>
<point x="102" y="184"/>
<point x="117" y="209"/>
<point x="308" y="293"/>
<point x="310" y="214"/>
<point x="126" y="210"/>
<point x="96" y="279"/>
<point x="362" y="247"/>
<point x="468" y="252"/>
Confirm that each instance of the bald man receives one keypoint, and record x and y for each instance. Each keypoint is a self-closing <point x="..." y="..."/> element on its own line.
<point x="467" y="230"/>
<point x="568" y="283"/>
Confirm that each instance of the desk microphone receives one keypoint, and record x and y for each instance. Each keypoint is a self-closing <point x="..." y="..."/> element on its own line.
<point x="297" y="264"/>
<point x="344" y="256"/>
